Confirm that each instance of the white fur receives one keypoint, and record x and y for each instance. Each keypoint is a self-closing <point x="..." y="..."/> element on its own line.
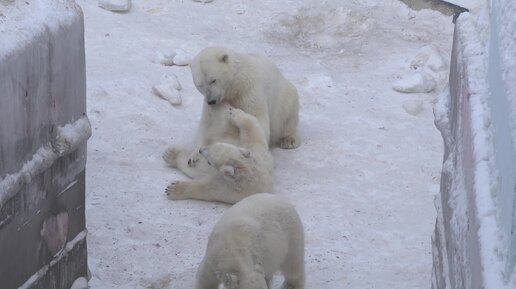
<point x="256" y="237"/>
<point x="253" y="84"/>
<point x="215" y="127"/>
<point x="237" y="171"/>
<point x="249" y="82"/>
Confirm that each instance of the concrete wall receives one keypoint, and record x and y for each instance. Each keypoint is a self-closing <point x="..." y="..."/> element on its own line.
<point x="43" y="88"/>
<point x="473" y="242"/>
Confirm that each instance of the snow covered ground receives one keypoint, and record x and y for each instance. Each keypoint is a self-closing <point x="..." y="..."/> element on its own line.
<point x="363" y="180"/>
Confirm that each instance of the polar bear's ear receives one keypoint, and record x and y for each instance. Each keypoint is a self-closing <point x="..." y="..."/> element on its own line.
<point x="230" y="280"/>
<point x="245" y="152"/>
<point x="227" y="171"/>
<point x="223" y="57"/>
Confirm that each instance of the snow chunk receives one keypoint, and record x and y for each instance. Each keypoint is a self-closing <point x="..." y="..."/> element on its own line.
<point x="166" y="58"/>
<point x="182" y="58"/>
<point x="70" y="136"/>
<point x="80" y="283"/>
<point x="115" y="5"/>
<point x="413" y="83"/>
<point x="176" y="57"/>
<point x="203" y="1"/>
<point x="428" y="70"/>
<point x="168" y="89"/>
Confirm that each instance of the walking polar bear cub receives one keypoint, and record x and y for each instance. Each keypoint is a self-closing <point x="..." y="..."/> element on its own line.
<point x="255" y="238"/>
<point x="240" y="171"/>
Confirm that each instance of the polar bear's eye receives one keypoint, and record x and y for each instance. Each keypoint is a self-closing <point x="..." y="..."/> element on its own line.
<point x="213" y="81"/>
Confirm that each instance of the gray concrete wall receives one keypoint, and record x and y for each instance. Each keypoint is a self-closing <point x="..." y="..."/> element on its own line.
<point x="43" y="87"/>
<point x="474" y="238"/>
<point x="442" y="6"/>
<point x="455" y="241"/>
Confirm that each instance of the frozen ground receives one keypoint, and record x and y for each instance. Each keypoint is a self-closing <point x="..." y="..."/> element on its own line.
<point x="363" y="179"/>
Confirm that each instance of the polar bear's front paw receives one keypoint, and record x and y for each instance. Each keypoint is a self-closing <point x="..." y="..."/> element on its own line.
<point x="170" y="156"/>
<point x="288" y="142"/>
<point x="176" y="191"/>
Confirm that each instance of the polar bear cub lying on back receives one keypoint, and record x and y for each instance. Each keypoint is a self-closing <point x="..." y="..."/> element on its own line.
<point x="239" y="171"/>
<point x="255" y="238"/>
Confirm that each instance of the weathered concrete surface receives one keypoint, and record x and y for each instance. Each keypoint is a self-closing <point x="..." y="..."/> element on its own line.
<point x="455" y="241"/>
<point x="43" y="86"/>
<point x="473" y="242"/>
<point x="444" y="7"/>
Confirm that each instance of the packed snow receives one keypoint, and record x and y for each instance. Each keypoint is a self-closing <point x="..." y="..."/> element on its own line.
<point x="427" y="70"/>
<point x="363" y="179"/>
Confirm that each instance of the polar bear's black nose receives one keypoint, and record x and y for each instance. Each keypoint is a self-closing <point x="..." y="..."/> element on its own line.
<point x="211" y="102"/>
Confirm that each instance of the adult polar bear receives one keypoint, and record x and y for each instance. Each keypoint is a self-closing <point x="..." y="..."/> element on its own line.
<point x="249" y="82"/>
<point x="253" y="84"/>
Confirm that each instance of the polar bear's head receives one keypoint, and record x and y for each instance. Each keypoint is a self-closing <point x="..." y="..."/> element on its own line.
<point x="227" y="158"/>
<point x="212" y="72"/>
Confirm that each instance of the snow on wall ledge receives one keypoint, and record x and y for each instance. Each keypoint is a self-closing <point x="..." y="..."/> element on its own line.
<point x="67" y="140"/>
<point x="472" y="242"/>
<point x="43" y="133"/>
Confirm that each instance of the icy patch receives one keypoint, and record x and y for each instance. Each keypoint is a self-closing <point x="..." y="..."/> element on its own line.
<point x="428" y="71"/>
<point x="115" y="5"/>
<point x="168" y="89"/>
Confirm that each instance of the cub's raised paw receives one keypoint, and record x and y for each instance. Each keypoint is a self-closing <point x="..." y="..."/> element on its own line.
<point x="236" y="116"/>
<point x="170" y="156"/>
<point x="176" y="191"/>
<point x="288" y="142"/>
